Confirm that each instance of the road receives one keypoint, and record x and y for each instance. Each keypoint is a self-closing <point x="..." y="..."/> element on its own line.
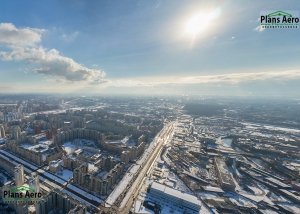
<point x="131" y="192"/>
<point x="50" y="180"/>
<point x="122" y="201"/>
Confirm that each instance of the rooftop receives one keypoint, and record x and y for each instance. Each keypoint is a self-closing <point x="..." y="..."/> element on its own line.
<point x="179" y="194"/>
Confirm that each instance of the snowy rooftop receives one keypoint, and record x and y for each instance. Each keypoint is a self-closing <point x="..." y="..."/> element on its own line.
<point x="125" y="141"/>
<point x="213" y="189"/>
<point x="41" y="148"/>
<point x="179" y="194"/>
<point x="54" y="163"/>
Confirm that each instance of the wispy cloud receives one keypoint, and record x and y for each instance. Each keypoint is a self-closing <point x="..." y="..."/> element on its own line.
<point x="70" y="37"/>
<point x="234" y="78"/>
<point x="259" y="29"/>
<point x="99" y="81"/>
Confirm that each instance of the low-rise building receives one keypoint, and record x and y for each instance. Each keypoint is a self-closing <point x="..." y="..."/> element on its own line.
<point x="175" y="196"/>
<point x="54" y="166"/>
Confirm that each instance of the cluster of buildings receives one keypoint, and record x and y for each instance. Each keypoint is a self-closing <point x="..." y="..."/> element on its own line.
<point x="47" y="202"/>
<point x="78" y="153"/>
<point x="81" y="133"/>
<point x="100" y="178"/>
<point x="232" y="165"/>
<point x="58" y="201"/>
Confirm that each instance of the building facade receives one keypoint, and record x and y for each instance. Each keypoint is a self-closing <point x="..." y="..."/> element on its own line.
<point x="56" y="199"/>
<point x="101" y="180"/>
<point x="19" y="175"/>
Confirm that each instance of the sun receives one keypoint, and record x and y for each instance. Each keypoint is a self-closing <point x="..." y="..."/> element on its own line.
<point x="198" y="23"/>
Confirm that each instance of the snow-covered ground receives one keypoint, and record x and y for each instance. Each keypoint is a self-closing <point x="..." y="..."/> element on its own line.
<point x="223" y="144"/>
<point x="239" y="200"/>
<point x="27" y="129"/>
<point x="256" y="190"/>
<point x="45" y="142"/>
<point x="180" y="185"/>
<point x="72" y="146"/>
<point x="271" y="127"/>
<point x="139" y="208"/>
<point x="65" y="174"/>
<point x="126" y="141"/>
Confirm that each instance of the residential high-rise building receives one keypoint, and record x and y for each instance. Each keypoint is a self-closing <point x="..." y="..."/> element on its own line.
<point x="61" y="201"/>
<point x="19" y="175"/>
<point x="34" y="182"/>
<point x="15" y="132"/>
<point x="37" y="129"/>
<point x="2" y="132"/>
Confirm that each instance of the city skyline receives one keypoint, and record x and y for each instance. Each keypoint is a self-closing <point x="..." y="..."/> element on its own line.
<point x="143" y="47"/>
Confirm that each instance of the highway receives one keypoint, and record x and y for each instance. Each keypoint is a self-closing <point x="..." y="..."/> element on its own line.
<point x="124" y="201"/>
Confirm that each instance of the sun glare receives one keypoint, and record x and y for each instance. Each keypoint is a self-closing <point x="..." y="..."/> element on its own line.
<point x="201" y="21"/>
<point x="198" y="23"/>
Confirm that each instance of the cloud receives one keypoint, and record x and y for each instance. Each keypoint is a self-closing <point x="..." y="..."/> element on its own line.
<point x="232" y="37"/>
<point x="234" y="78"/>
<point x="23" y="46"/>
<point x="99" y="81"/>
<point x="9" y="34"/>
<point x="242" y="77"/>
<point x="70" y="37"/>
<point x="259" y="29"/>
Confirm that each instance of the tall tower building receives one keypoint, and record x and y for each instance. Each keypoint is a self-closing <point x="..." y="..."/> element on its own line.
<point x="19" y="175"/>
<point x="34" y="182"/>
<point x="2" y="132"/>
<point x="15" y="132"/>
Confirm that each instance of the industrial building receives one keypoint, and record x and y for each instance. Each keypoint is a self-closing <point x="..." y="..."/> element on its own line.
<point x="224" y="176"/>
<point x="175" y="196"/>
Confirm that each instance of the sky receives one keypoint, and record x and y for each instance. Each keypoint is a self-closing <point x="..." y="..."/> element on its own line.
<point x="147" y="47"/>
